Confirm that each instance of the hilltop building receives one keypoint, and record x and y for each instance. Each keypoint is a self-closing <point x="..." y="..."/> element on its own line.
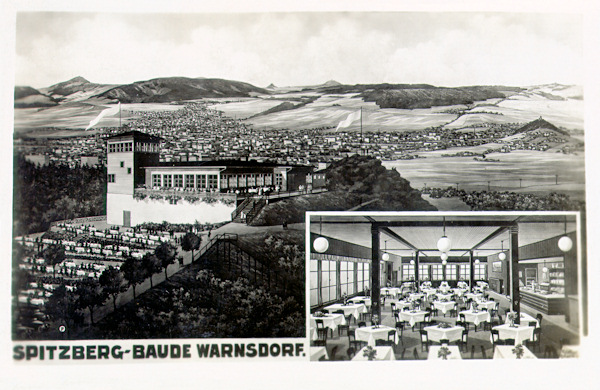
<point x="140" y="188"/>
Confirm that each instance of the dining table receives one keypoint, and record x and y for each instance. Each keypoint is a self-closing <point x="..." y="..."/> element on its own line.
<point x="366" y="300"/>
<point x="382" y="353"/>
<point x="476" y="317"/>
<point x="444" y="307"/>
<point x="400" y="305"/>
<point x="372" y="333"/>
<point x="473" y="296"/>
<point x="412" y="316"/>
<point x="391" y="291"/>
<point x="437" y="333"/>
<point x="434" y="352"/>
<point x="525" y="319"/>
<point x="354" y="309"/>
<point x="444" y="296"/>
<point x="488" y="305"/>
<point x="520" y="333"/>
<point x="416" y="296"/>
<point x="506" y="352"/>
<point x="331" y="321"/>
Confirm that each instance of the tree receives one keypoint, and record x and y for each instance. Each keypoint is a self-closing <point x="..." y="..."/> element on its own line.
<point x="62" y="307"/>
<point x="134" y="272"/>
<point x="190" y="242"/>
<point x="167" y="255"/>
<point x="152" y="265"/>
<point x="54" y="254"/>
<point x="112" y="283"/>
<point x="90" y="295"/>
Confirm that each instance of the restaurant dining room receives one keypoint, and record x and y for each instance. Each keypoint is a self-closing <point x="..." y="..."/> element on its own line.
<point x="446" y="286"/>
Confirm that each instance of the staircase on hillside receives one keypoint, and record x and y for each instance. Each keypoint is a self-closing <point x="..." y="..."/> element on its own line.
<point x="248" y="210"/>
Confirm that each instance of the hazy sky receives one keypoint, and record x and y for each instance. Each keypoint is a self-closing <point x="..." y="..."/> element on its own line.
<point x="301" y="48"/>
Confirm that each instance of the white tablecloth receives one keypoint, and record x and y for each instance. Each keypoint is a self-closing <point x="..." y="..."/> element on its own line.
<point x="505" y="352"/>
<point x="444" y="287"/>
<point x="476" y="318"/>
<point x="355" y="309"/>
<point x="402" y="304"/>
<point x="429" y="291"/>
<point x="317" y="353"/>
<point x="330" y="321"/>
<point x="525" y="320"/>
<point x="413" y="318"/>
<point x="444" y="296"/>
<point x="454" y="353"/>
<point x="434" y="333"/>
<point x="459" y="291"/>
<point x="370" y="334"/>
<point x="520" y="334"/>
<point x="473" y="296"/>
<point x="358" y="299"/>
<point x="489" y="305"/>
<point x="444" y="307"/>
<point x="415" y="296"/>
<point x="393" y="291"/>
<point x="383" y="353"/>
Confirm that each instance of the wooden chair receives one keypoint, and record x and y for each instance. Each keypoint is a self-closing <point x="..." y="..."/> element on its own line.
<point x="424" y="340"/>
<point x="532" y="323"/>
<point x="539" y="318"/>
<point x="509" y="341"/>
<point x="415" y="354"/>
<point x="464" y="340"/>
<point x="332" y="356"/>
<point x="353" y="342"/>
<point x="320" y="343"/>
<point x="536" y="342"/>
<point x="483" y="352"/>
<point x="350" y="352"/>
<point x="341" y="327"/>
<point x="362" y="324"/>
<point x="392" y="336"/>
<point x="496" y="338"/>
<point x="472" y="352"/>
<point x="380" y="342"/>
<point x="322" y="331"/>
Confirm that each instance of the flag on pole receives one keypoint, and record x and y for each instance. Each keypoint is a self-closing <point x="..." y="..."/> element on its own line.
<point x="348" y="121"/>
<point x="106" y="112"/>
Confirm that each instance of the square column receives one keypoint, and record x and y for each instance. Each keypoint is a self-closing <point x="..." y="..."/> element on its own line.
<point x="375" y="272"/>
<point x="514" y="271"/>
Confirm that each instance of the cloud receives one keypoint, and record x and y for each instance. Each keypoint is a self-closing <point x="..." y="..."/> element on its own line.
<point x="300" y="48"/>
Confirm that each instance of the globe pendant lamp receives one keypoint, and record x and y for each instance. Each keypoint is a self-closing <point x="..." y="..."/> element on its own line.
<point x="444" y="244"/>
<point x="321" y="244"/>
<point x="502" y="255"/>
<point x="444" y="257"/>
<point x="385" y="256"/>
<point x="565" y="243"/>
<point x="545" y="269"/>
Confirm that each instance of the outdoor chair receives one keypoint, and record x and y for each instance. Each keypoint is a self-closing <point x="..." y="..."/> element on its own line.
<point x="464" y="340"/>
<point x="322" y="332"/>
<point x="424" y="340"/>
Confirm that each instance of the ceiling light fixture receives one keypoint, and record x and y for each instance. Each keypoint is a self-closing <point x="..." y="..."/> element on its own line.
<point x="321" y="244"/>
<point x="444" y="244"/>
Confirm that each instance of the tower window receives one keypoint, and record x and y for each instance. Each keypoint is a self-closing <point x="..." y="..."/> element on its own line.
<point x="122" y="164"/>
<point x="129" y="171"/>
<point x="111" y="178"/>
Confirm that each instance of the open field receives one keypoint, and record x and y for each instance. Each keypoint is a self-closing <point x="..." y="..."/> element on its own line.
<point x="536" y="169"/>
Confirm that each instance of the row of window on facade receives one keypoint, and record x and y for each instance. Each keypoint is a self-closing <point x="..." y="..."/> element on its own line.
<point x="211" y="181"/>
<point x="120" y="147"/>
<point x="354" y="277"/>
<point x="437" y="272"/>
<point x="185" y="181"/>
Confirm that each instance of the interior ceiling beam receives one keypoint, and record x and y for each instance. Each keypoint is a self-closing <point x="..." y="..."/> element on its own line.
<point x="395" y="236"/>
<point x="423" y="223"/>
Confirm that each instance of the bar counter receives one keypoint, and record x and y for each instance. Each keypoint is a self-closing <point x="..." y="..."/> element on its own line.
<point x="545" y="303"/>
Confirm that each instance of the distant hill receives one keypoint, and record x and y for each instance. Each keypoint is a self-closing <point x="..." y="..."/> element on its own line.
<point x="541" y="124"/>
<point x="164" y="90"/>
<point x="27" y="97"/>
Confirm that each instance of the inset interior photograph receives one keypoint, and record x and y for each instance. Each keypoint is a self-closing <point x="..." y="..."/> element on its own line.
<point x="429" y="286"/>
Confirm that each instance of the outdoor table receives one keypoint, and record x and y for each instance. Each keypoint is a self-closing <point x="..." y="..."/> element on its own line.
<point x="435" y="333"/>
<point x="317" y="353"/>
<point x="330" y="321"/>
<point x="476" y="317"/>
<point x="393" y="291"/>
<point x="412" y="317"/>
<point x="519" y="333"/>
<point x="383" y="353"/>
<point x="372" y="333"/>
<point x="435" y="349"/>
<point x="354" y="310"/>
<point x="505" y="352"/>
<point x="525" y="319"/>
<point x="367" y="300"/>
<point x="444" y="307"/>
<point x="415" y="296"/>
